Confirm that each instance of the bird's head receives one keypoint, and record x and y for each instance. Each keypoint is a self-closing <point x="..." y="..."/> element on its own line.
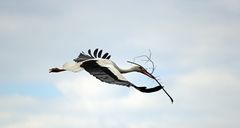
<point x="55" y="70"/>
<point x="141" y="69"/>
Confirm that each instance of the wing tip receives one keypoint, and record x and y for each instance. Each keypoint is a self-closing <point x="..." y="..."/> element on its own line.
<point x="97" y="53"/>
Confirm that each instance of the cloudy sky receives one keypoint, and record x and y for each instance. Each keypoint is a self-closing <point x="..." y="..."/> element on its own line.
<point x="195" y="45"/>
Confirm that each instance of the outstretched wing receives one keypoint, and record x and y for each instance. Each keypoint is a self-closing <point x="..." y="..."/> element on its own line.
<point x="96" y="54"/>
<point x="105" y="73"/>
<point x="82" y="57"/>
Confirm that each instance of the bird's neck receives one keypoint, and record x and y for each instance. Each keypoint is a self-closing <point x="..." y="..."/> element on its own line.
<point x="132" y="69"/>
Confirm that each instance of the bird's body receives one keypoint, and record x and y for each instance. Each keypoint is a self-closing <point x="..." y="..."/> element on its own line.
<point x="72" y="66"/>
<point x="101" y="67"/>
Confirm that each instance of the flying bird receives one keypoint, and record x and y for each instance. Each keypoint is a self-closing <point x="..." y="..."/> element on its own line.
<point x="100" y="66"/>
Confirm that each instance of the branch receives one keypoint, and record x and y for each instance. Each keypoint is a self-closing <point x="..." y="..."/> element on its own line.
<point x="145" y="89"/>
<point x="146" y="60"/>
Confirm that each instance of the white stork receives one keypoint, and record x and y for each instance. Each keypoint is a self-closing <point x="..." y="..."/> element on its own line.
<point x="106" y="70"/>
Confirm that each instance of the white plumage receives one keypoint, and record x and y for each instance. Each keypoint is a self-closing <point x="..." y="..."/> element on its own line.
<point x="112" y="67"/>
<point x="72" y="66"/>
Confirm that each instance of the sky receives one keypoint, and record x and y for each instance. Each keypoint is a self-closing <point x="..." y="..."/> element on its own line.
<point x="194" y="45"/>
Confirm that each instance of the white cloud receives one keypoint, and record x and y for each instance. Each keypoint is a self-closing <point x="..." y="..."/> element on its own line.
<point x="93" y="93"/>
<point x="200" y="98"/>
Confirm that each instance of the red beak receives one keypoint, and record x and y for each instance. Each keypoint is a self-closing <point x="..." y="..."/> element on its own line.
<point x="145" y="72"/>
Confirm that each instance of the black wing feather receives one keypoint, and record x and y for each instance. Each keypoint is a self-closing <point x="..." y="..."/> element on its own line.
<point x="108" y="57"/>
<point x="103" y="73"/>
<point x="105" y="56"/>
<point x="89" y="52"/>
<point x="82" y="56"/>
<point x="95" y="53"/>
<point x="100" y="54"/>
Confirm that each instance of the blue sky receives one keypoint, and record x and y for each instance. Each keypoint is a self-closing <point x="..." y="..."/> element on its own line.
<point x="195" y="45"/>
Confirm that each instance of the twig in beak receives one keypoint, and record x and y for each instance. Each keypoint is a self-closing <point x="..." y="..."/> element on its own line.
<point x="147" y="60"/>
<point x="154" y="89"/>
